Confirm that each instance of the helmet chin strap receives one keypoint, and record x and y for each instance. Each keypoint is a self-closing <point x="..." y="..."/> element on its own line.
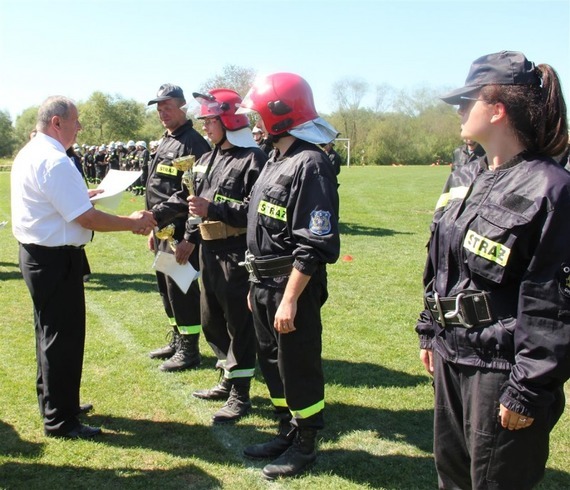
<point x="221" y="142"/>
<point x="224" y="138"/>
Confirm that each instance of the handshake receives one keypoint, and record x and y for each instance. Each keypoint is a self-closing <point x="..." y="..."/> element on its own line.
<point x="143" y="222"/>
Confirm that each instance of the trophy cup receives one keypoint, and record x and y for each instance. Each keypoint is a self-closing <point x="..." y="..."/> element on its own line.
<point x="182" y="164"/>
<point x="167" y="233"/>
<point x="185" y="164"/>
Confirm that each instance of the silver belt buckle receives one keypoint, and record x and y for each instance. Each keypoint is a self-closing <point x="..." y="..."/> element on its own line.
<point x="247" y="262"/>
<point x="457" y="312"/>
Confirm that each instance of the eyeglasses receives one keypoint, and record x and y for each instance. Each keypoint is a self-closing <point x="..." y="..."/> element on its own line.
<point x="465" y="101"/>
<point x="210" y="120"/>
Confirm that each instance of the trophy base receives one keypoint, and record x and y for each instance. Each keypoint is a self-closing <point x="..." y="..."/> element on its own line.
<point x="194" y="220"/>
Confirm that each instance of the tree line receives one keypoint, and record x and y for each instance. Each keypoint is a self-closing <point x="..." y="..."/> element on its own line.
<point x="409" y="127"/>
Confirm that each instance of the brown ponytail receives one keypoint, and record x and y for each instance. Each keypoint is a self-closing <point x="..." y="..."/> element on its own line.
<point x="553" y="132"/>
<point x="537" y="114"/>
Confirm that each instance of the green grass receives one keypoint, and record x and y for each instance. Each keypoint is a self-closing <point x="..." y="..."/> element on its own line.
<point x="379" y="399"/>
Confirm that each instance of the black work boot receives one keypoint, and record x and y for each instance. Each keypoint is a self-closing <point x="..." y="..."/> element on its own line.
<point x="187" y="355"/>
<point x="276" y="446"/>
<point x="297" y="458"/>
<point x="238" y="403"/>
<point x="167" y="351"/>
<point x="219" y="392"/>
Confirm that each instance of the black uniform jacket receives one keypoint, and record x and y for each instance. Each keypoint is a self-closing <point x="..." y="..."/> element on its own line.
<point x="164" y="180"/>
<point x="506" y="232"/>
<point x="462" y="156"/>
<point x="225" y="178"/>
<point x="293" y="209"/>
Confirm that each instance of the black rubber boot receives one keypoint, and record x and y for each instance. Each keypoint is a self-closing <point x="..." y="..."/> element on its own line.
<point x="167" y="351"/>
<point x="187" y="355"/>
<point x="219" y="392"/>
<point x="297" y="458"/>
<point x="276" y="446"/>
<point x="238" y="403"/>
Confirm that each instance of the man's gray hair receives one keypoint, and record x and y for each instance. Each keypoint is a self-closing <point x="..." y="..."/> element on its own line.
<point x="56" y="105"/>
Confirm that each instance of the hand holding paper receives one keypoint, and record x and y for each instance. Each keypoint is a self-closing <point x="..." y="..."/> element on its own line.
<point x="113" y="185"/>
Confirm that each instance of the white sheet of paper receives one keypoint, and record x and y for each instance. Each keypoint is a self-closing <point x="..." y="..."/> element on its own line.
<point x="182" y="275"/>
<point x="114" y="183"/>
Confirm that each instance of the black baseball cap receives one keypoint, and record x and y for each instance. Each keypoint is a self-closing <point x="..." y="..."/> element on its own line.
<point x="167" y="91"/>
<point x="503" y="68"/>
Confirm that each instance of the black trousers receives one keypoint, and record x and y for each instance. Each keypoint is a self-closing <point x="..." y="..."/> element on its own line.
<point x="471" y="448"/>
<point x="54" y="277"/>
<point x="291" y="363"/>
<point x="182" y="309"/>
<point x="226" y="319"/>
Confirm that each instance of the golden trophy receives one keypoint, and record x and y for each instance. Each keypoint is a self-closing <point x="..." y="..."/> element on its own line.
<point x="185" y="164"/>
<point x="167" y="233"/>
<point x="182" y="164"/>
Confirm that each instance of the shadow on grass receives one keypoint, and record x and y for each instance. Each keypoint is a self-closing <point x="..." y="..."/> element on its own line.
<point x="555" y="480"/>
<point x="12" y="273"/>
<point x="141" y="283"/>
<point x="389" y="471"/>
<point x="358" y="229"/>
<point x="42" y="476"/>
<point x="12" y="445"/>
<point x="412" y="427"/>
<point x="367" y="375"/>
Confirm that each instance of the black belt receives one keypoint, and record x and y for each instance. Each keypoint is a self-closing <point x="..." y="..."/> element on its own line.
<point x="60" y="247"/>
<point x="267" y="268"/>
<point x="468" y="309"/>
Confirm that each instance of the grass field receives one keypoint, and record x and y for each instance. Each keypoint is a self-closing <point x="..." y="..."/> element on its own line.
<point x="379" y="399"/>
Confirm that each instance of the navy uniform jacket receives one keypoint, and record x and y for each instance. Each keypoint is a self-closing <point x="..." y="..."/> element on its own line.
<point x="225" y="178"/>
<point x="293" y="210"/>
<point x="164" y="180"/>
<point x="506" y="232"/>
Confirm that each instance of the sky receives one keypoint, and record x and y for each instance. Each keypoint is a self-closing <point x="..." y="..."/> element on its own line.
<point x="128" y="48"/>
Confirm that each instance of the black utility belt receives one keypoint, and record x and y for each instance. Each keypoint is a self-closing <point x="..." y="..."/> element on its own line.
<point x="467" y="309"/>
<point x="267" y="268"/>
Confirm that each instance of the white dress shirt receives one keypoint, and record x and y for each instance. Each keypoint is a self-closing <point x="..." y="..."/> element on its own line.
<point x="47" y="194"/>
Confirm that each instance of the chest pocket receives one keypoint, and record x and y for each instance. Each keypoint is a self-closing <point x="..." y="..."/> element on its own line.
<point x="230" y="189"/>
<point x="490" y="242"/>
<point x="272" y="208"/>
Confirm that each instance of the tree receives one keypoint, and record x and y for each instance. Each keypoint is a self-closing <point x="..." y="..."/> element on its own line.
<point x="233" y="77"/>
<point x="417" y="101"/>
<point x="384" y="97"/>
<point x="105" y="118"/>
<point x="348" y="94"/>
<point x="7" y="140"/>
<point x="151" y="129"/>
<point x="25" y="123"/>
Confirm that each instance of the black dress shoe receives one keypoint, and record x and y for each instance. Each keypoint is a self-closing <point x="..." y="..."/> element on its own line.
<point x="86" y="408"/>
<point x="80" y="432"/>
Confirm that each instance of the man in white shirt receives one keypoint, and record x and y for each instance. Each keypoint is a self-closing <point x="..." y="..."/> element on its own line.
<point x="52" y="219"/>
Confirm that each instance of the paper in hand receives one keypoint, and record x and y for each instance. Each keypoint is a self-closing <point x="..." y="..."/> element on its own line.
<point x="114" y="183"/>
<point x="182" y="275"/>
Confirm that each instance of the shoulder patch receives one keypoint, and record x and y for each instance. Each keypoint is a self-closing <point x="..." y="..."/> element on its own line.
<point x="320" y="223"/>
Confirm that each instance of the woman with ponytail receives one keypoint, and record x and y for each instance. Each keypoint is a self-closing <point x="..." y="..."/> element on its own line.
<point x="495" y="331"/>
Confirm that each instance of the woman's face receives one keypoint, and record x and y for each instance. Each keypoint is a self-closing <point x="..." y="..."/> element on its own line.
<point x="212" y="126"/>
<point x="475" y="119"/>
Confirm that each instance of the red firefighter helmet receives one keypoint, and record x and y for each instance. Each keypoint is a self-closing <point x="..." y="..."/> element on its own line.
<point x="283" y="101"/>
<point x="222" y="103"/>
